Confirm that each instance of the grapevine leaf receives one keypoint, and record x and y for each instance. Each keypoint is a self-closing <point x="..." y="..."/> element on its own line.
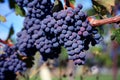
<point x="116" y="33"/>
<point x="101" y="30"/>
<point x="35" y="77"/>
<point x="57" y="6"/>
<point x="63" y="57"/>
<point x="11" y="4"/>
<point x="11" y="32"/>
<point x="113" y="37"/>
<point x="91" y="12"/>
<point x="19" y="11"/>
<point x="72" y="1"/>
<point x="96" y="50"/>
<point x="64" y="53"/>
<point x="103" y="6"/>
<point x="69" y="3"/>
<point x="2" y="18"/>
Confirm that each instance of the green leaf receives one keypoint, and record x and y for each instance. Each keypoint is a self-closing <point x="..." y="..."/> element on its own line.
<point x="63" y="55"/>
<point x="2" y="18"/>
<point x="19" y="11"/>
<point x="57" y="6"/>
<point x="116" y="33"/>
<point x="101" y="30"/>
<point x="103" y="6"/>
<point x="96" y="49"/>
<point x="113" y="37"/>
<point x="11" y="32"/>
<point x="69" y="3"/>
<point x="72" y="1"/>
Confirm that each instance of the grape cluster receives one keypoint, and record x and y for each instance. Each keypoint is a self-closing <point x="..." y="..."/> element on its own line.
<point x="71" y="29"/>
<point x="10" y="65"/>
<point x="36" y="11"/>
<point x="33" y="37"/>
<point x="46" y="32"/>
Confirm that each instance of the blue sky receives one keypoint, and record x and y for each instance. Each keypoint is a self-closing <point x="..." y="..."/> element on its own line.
<point x="17" y="21"/>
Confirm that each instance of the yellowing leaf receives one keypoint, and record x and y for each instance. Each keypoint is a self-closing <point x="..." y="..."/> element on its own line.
<point x="108" y="4"/>
<point x="105" y="5"/>
<point x="2" y="18"/>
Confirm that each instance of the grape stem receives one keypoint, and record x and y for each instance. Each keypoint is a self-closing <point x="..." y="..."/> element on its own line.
<point x="6" y="42"/>
<point x="96" y="23"/>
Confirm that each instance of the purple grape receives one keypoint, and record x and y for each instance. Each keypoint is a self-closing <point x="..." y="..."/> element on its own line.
<point x="71" y="53"/>
<point x="63" y="14"/>
<point x="78" y="62"/>
<point x="80" y="6"/>
<point x="97" y="36"/>
<point x="48" y="50"/>
<point x="74" y="45"/>
<point x="68" y="43"/>
<point x="60" y="22"/>
<point x="78" y="23"/>
<point x="77" y="17"/>
<point x="82" y="29"/>
<point x="84" y="24"/>
<point x="68" y="18"/>
<point x="77" y="9"/>
<point x="89" y="28"/>
<point x="55" y="44"/>
<point x="85" y="33"/>
<point x="82" y="55"/>
<point x="71" y="28"/>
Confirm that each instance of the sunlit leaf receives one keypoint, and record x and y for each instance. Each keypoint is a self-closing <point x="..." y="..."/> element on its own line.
<point x="103" y="6"/>
<point x="69" y="3"/>
<point x="95" y="49"/>
<point x="19" y="11"/>
<point x="101" y="30"/>
<point x="2" y="18"/>
<point x="116" y="33"/>
<point x="63" y="55"/>
<point x="72" y="1"/>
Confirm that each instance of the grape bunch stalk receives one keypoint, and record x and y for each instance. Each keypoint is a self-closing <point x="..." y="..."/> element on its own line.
<point x="46" y="32"/>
